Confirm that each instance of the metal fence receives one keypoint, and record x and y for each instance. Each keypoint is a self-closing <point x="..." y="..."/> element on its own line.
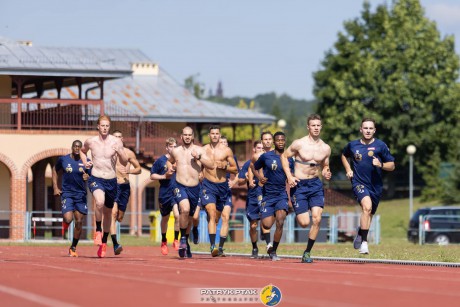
<point x="47" y="225"/>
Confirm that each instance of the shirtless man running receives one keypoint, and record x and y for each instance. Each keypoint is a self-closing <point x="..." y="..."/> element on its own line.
<point x="216" y="195"/>
<point x="311" y="157"/>
<point x="124" y="190"/>
<point x="189" y="159"/>
<point x="105" y="149"/>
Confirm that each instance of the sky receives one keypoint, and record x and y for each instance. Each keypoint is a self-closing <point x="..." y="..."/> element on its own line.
<point x="251" y="46"/>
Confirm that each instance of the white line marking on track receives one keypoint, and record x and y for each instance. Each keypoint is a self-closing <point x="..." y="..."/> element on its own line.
<point x="34" y="298"/>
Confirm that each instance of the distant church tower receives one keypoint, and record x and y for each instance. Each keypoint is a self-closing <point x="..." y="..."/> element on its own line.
<point x="220" y="90"/>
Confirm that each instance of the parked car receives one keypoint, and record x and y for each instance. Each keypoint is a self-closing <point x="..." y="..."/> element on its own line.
<point x="441" y="225"/>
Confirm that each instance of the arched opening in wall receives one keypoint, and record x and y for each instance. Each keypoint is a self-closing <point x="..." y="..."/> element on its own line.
<point x="43" y="203"/>
<point x="5" y="183"/>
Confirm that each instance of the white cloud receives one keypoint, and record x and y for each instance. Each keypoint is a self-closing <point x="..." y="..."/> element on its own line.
<point x="442" y="13"/>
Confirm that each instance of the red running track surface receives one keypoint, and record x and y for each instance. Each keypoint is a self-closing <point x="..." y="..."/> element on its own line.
<point x="141" y="276"/>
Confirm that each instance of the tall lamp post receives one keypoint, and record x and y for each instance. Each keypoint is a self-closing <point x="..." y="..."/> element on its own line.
<point x="411" y="149"/>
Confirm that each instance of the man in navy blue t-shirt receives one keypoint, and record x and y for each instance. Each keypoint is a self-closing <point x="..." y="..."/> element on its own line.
<point x="368" y="157"/>
<point x="73" y="192"/>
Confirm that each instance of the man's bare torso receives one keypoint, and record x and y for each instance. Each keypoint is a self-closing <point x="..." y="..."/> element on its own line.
<point x="104" y="157"/>
<point x="121" y="170"/>
<point x="309" y="157"/>
<point x="187" y="169"/>
<point x="220" y="154"/>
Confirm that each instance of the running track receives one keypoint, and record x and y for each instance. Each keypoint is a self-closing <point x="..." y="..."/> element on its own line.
<point x="141" y="276"/>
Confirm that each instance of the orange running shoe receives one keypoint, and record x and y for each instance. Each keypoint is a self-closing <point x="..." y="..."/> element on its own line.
<point x="176" y="245"/>
<point x="102" y="250"/>
<point x="98" y="238"/>
<point x="164" y="248"/>
<point x="73" y="252"/>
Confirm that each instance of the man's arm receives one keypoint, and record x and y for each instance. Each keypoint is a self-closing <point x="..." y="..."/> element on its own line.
<point x="347" y="167"/>
<point x="259" y="171"/>
<point x="83" y="155"/>
<point x="136" y="167"/>
<point x="326" y="171"/>
<point x="120" y="151"/>
<point x="200" y="155"/>
<point x="288" y="153"/>
<point x="55" y="177"/>
<point x="229" y="164"/>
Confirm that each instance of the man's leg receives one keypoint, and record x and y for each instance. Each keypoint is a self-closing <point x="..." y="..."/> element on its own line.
<point x="280" y="217"/>
<point x="164" y="230"/>
<point x="176" y="226"/>
<point x="316" y="213"/>
<point x="183" y="224"/>
<point x="212" y="227"/>
<point x="365" y="223"/>
<point x="267" y="224"/>
<point x="99" y="198"/>
<point x="196" y="223"/>
<point x="225" y="216"/>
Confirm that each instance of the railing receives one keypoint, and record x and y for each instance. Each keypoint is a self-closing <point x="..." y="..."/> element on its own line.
<point x="47" y="225"/>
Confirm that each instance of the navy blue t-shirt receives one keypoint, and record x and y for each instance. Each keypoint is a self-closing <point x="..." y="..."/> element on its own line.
<point x="72" y="175"/>
<point x="273" y="171"/>
<point x="361" y="156"/>
<point x="160" y="167"/>
<point x="242" y="174"/>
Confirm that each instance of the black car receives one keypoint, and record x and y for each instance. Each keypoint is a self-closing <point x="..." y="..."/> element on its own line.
<point x="441" y="225"/>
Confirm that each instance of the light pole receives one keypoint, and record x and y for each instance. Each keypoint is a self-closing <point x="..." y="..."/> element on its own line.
<point x="411" y="149"/>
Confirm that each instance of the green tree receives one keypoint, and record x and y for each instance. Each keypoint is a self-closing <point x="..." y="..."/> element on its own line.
<point x="194" y="86"/>
<point x="393" y="65"/>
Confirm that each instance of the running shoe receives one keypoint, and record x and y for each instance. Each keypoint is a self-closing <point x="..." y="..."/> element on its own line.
<point x="102" y="250"/>
<point x="358" y="240"/>
<point x="221" y="253"/>
<point x="189" y="251"/>
<point x="73" y="251"/>
<point x="98" y="238"/>
<point x="214" y="251"/>
<point x="117" y="249"/>
<point x="196" y="237"/>
<point x="176" y="245"/>
<point x="182" y="247"/>
<point x="364" y="249"/>
<point x="164" y="248"/>
<point x="269" y="248"/>
<point x="274" y="257"/>
<point x="255" y="253"/>
<point x="306" y="258"/>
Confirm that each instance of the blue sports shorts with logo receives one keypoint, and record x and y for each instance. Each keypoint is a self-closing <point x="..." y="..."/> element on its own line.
<point x="271" y="203"/>
<point x="253" y="207"/>
<point x="74" y="202"/>
<point x="360" y="191"/>
<point x="182" y="192"/>
<point x="123" y="193"/>
<point x="108" y="186"/>
<point x="306" y="194"/>
<point x="215" y="193"/>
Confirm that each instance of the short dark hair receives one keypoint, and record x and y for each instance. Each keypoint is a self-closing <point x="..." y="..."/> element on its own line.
<point x="77" y="141"/>
<point x="212" y="127"/>
<point x="223" y="137"/>
<point x="368" y="119"/>
<point x="256" y="143"/>
<point x="279" y="133"/>
<point x="264" y="133"/>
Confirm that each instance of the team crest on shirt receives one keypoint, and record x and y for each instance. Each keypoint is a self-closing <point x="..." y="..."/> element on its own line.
<point x="358" y="156"/>
<point x="370" y="153"/>
<point x="259" y="197"/>
<point x="359" y="189"/>
<point x="69" y="168"/>
<point x="80" y="169"/>
<point x="165" y="167"/>
<point x="274" y="165"/>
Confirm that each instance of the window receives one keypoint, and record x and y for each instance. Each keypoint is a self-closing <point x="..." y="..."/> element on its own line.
<point x="150" y="199"/>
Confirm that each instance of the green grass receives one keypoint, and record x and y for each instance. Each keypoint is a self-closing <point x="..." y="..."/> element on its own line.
<point x="394" y="219"/>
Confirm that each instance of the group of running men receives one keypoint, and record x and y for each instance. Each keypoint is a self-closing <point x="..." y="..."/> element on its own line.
<point x="194" y="178"/>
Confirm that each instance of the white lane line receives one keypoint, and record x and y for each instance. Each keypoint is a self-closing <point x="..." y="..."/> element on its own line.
<point x="34" y="298"/>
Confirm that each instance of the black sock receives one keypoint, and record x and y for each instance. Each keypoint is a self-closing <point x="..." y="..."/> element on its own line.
<point x="212" y="238"/>
<point x="275" y="246"/>
<point x="186" y="237"/>
<point x="176" y="234"/>
<point x="163" y="237"/>
<point x="182" y="232"/>
<point x="195" y="231"/>
<point x="74" y="242"/>
<point x="254" y="245"/>
<point x="267" y="237"/>
<point x="310" y="245"/>
<point x="114" y="240"/>
<point x="222" y="242"/>
<point x="99" y="226"/>
<point x="364" y="233"/>
<point x="104" y="237"/>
